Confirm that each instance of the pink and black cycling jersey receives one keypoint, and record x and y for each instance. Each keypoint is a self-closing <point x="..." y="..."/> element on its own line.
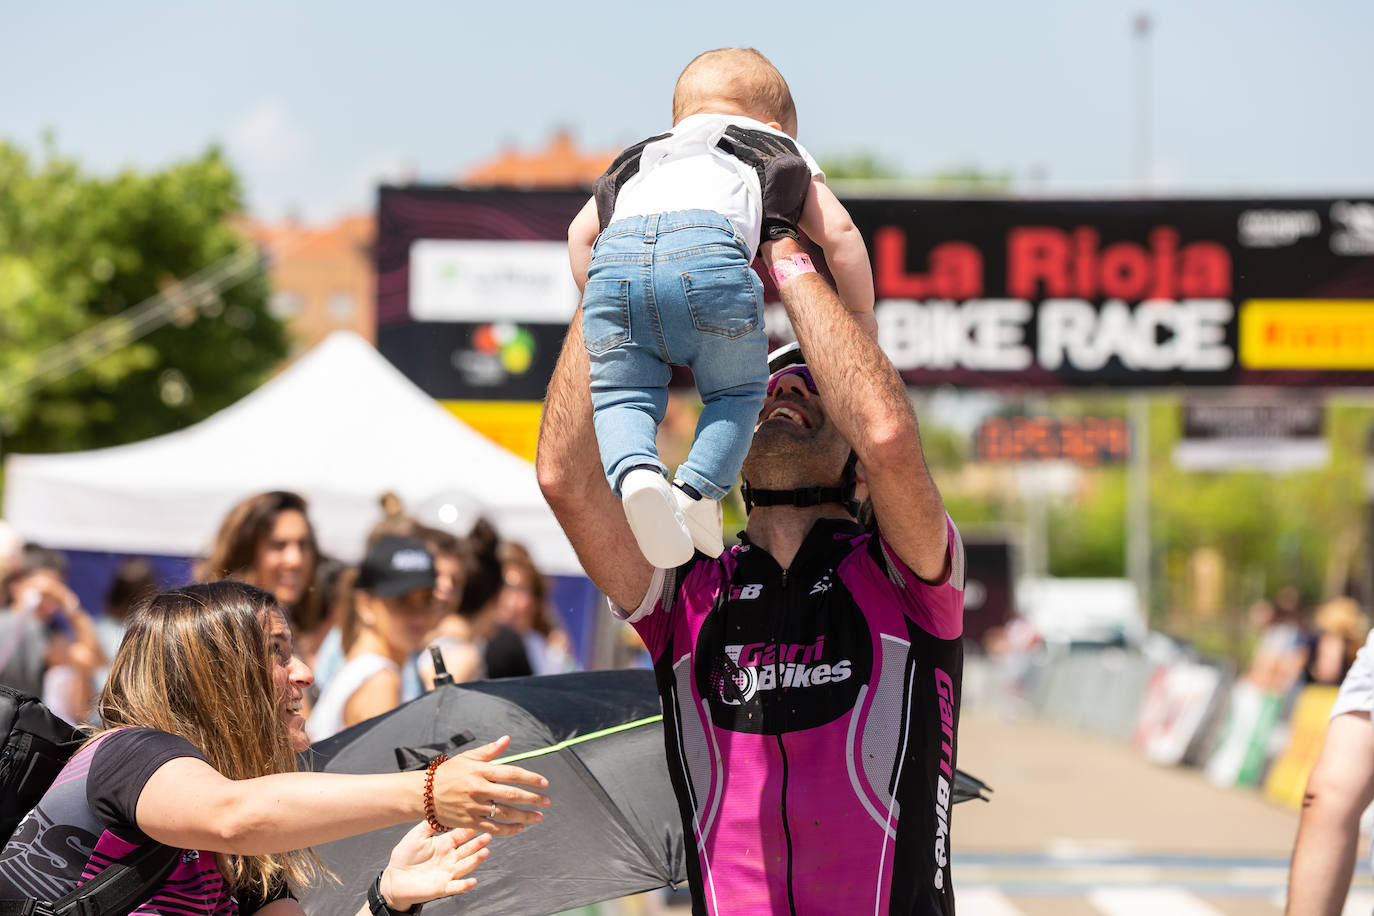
<point x="809" y="720"/>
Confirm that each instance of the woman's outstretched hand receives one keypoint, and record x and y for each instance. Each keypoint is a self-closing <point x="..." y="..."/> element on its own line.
<point x="426" y="865"/>
<point x="472" y="792"/>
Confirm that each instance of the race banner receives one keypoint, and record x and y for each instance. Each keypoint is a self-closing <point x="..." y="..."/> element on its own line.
<point x="474" y="292"/>
<point x="1124" y="293"/>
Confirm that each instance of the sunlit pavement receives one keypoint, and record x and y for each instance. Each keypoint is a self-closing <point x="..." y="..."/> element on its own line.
<point x="1084" y="825"/>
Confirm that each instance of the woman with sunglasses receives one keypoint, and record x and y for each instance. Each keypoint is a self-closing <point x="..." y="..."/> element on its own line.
<point x="202" y="725"/>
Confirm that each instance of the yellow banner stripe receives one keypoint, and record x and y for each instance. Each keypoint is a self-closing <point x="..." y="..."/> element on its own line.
<point x="1307" y="334"/>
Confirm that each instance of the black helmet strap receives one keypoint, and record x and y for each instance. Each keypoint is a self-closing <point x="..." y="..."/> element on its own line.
<point x="809" y="496"/>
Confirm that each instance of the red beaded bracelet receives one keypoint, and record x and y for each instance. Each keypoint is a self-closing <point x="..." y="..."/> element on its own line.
<point x="429" y="795"/>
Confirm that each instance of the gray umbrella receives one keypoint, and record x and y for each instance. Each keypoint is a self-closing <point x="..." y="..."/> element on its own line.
<point x="613" y="828"/>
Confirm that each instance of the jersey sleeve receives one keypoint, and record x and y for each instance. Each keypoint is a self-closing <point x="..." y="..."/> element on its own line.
<point x="122" y="766"/>
<point x="816" y="170"/>
<point x="937" y="608"/>
<point x="652" y="620"/>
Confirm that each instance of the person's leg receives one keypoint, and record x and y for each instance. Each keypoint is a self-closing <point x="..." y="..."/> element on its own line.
<point x="714" y="323"/>
<point x="711" y="303"/>
<point x="629" y="377"/>
<point x="629" y="387"/>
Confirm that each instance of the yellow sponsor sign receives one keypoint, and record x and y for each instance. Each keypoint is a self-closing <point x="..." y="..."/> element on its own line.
<point x="1307" y="334"/>
<point x="1287" y="780"/>
<point x="513" y="425"/>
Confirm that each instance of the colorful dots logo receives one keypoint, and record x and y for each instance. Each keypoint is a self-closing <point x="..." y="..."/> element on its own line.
<point x="510" y="343"/>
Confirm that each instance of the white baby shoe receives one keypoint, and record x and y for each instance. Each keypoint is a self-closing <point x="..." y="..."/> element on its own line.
<point x="703" y="518"/>
<point x="655" y="519"/>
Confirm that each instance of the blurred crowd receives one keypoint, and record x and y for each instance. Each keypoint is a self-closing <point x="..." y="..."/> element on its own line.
<point x="423" y="604"/>
<point x="1288" y="645"/>
<point x="1298" y="645"/>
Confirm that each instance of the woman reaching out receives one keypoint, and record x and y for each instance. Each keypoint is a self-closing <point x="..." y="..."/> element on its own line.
<point x="202" y="716"/>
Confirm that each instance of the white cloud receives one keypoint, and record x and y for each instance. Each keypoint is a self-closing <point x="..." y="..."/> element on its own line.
<point x="267" y="139"/>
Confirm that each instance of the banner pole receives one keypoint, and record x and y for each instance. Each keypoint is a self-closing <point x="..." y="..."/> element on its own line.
<point x="1138" y="501"/>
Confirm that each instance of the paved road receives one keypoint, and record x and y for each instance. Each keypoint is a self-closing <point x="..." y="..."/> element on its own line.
<point x="1081" y="825"/>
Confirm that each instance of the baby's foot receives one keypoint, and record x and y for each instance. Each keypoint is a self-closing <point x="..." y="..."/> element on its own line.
<point x="655" y="518"/>
<point x="703" y="519"/>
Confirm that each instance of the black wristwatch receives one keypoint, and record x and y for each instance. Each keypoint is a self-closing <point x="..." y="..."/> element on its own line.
<point x="377" y="903"/>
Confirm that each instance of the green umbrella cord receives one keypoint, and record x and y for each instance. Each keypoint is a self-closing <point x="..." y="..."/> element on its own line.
<point x="555" y="748"/>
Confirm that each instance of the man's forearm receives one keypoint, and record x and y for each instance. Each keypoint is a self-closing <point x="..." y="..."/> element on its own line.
<point x="861" y="380"/>
<point x="566" y="457"/>
<point x="568" y="466"/>
<point x="864" y="395"/>
<point x="866" y="399"/>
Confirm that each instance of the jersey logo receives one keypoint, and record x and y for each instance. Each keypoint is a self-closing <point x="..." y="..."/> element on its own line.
<point x="822" y="585"/>
<point x="944" y="692"/>
<point x="743" y="671"/>
<point x="745" y="592"/>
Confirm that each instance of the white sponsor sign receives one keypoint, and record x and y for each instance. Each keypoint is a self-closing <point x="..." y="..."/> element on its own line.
<point x="467" y="280"/>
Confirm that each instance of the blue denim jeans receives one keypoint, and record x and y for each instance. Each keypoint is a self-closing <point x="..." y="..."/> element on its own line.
<point x="674" y="289"/>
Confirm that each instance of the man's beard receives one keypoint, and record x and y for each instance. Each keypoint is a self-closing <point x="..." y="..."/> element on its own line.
<point x="779" y="459"/>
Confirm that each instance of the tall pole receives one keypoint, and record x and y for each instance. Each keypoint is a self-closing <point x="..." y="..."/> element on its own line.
<point x="1138" y="472"/>
<point x="1138" y="501"/>
<point x="1140" y="109"/>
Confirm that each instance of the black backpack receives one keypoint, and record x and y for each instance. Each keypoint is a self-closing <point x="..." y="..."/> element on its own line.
<point x="34" y="746"/>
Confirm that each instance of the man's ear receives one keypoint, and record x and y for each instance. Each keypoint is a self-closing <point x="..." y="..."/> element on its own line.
<point x="860" y="482"/>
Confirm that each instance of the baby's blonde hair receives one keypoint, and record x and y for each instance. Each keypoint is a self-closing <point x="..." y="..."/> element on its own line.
<point x="738" y="78"/>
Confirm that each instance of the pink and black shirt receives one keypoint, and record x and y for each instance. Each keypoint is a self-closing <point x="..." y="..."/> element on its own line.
<point x="85" y="821"/>
<point x="810" y="717"/>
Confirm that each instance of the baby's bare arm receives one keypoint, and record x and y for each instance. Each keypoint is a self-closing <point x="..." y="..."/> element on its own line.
<point x="827" y="223"/>
<point x="582" y="234"/>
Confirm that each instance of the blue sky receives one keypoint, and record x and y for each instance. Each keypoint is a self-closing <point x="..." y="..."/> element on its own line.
<point x="317" y="102"/>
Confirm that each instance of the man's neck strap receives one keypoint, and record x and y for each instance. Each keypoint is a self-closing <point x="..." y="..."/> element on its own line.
<point x="808" y="496"/>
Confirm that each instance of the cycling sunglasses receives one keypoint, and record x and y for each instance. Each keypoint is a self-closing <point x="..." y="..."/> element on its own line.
<point x="795" y="369"/>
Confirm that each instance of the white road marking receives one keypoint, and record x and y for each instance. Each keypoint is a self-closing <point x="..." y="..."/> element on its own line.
<point x="1149" y="901"/>
<point x="983" y="901"/>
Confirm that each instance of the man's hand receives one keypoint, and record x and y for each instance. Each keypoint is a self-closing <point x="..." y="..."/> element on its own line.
<point x="784" y="177"/>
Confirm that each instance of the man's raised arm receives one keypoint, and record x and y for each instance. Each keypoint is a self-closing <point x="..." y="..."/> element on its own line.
<point x="866" y="399"/>
<point x="570" y="476"/>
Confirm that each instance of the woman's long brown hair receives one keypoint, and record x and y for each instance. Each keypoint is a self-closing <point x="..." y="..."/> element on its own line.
<point x="243" y="531"/>
<point x="196" y="662"/>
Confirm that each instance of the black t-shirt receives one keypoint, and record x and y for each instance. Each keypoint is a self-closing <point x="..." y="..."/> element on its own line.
<point x="86" y="820"/>
<point x="506" y="656"/>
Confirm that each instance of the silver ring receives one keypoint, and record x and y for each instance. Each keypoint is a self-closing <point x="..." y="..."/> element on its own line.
<point x="492" y="816"/>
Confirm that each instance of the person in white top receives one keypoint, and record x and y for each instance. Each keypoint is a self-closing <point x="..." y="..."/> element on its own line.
<point x="1339" y="789"/>
<point x="387" y="624"/>
<point x="662" y="255"/>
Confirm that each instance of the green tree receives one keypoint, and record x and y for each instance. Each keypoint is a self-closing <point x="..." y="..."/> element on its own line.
<point x="77" y="250"/>
<point x="861" y="165"/>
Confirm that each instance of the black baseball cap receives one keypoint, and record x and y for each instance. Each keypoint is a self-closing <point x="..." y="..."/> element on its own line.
<point x="396" y="565"/>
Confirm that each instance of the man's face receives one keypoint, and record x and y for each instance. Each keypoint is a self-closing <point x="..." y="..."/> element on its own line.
<point x="794" y="444"/>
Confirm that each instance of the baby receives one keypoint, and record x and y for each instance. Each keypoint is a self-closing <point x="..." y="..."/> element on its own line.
<point x="662" y="254"/>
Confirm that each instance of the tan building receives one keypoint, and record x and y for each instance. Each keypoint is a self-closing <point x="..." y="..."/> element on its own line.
<point x="322" y="277"/>
<point x="560" y="164"/>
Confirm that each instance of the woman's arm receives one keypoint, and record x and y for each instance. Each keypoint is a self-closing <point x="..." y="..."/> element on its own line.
<point x="187" y="803"/>
<point x="424" y="866"/>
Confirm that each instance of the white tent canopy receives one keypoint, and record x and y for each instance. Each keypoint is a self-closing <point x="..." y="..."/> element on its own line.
<point x="341" y="427"/>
